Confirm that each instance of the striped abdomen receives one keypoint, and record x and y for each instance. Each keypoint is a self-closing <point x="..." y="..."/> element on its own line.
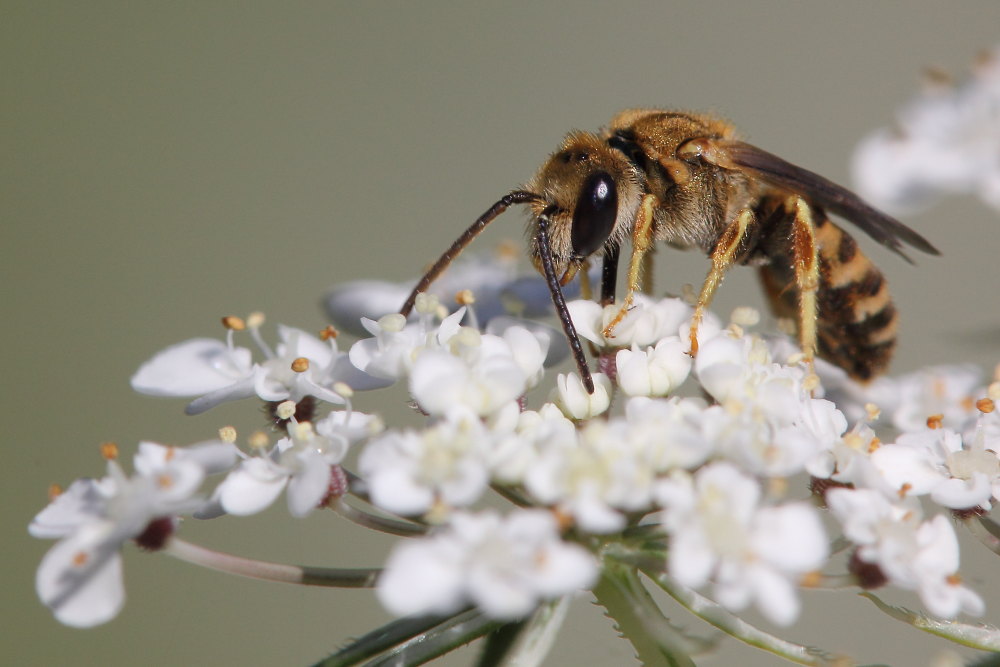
<point x="856" y="321"/>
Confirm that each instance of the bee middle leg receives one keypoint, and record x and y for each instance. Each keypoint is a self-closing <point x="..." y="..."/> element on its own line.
<point x="726" y="251"/>
<point x="642" y="245"/>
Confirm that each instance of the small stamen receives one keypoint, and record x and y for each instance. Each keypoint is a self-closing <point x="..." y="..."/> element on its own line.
<point x="343" y="389"/>
<point x="109" y="451"/>
<point x="300" y="364"/>
<point x="329" y="333"/>
<point x="935" y="421"/>
<point x="234" y="323"/>
<point x="465" y="297"/>
<point x="258" y="441"/>
<point x="54" y="491"/>
<point x="872" y="411"/>
<point x="285" y="410"/>
<point x="227" y="434"/>
<point x="985" y="405"/>
<point x="256" y="319"/>
<point x="745" y="316"/>
<point x="393" y="322"/>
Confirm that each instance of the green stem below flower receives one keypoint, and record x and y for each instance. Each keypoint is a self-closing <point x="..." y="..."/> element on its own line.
<point x="263" y="570"/>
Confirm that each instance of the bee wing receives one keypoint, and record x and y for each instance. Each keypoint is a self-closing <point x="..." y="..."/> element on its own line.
<point x="769" y="167"/>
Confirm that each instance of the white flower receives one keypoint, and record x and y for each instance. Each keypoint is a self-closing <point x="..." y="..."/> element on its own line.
<point x="912" y="553"/>
<point x="934" y="461"/>
<point x="719" y="531"/>
<point x="656" y="371"/>
<point x="519" y="437"/>
<point x="947" y="140"/>
<point x="594" y="479"/>
<point x="647" y="322"/>
<point x="407" y="472"/>
<point x="574" y="399"/>
<point x="670" y="433"/>
<point x="766" y="421"/>
<point x="504" y="566"/>
<point x="80" y="578"/>
<point x="217" y="372"/>
<point x="302" y="463"/>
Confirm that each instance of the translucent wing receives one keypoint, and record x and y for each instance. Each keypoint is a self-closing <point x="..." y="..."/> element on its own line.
<point x="770" y="168"/>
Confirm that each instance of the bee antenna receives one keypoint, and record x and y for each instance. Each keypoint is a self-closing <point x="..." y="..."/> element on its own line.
<point x="555" y="289"/>
<point x="508" y="200"/>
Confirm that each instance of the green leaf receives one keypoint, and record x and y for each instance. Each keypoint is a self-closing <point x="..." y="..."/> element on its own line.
<point x="413" y="641"/>
<point x="657" y="643"/>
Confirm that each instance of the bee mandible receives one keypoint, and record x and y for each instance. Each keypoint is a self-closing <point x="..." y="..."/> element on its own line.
<point x="687" y="179"/>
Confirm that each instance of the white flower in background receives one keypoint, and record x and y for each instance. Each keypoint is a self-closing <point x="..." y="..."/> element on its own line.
<point x="946" y="141"/>
<point x="493" y="279"/>
<point x="753" y="554"/>
<point x="935" y="462"/>
<point x="948" y="392"/>
<point x="217" y="371"/>
<point x="409" y="472"/>
<point x="655" y="371"/>
<point x="913" y="553"/>
<point x="647" y="322"/>
<point x="502" y="565"/>
<point x="80" y="578"/>
<point x="302" y="464"/>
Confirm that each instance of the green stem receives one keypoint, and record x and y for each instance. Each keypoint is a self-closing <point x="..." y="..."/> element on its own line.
<point x="378" y="522"/>
<point x="728" y="622"/>
<point x="280" y="572"/>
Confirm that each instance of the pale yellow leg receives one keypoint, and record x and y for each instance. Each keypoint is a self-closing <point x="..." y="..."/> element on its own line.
<point x="722" y="258"/>
<point x="805" y="256"/>
<point x="642" y="242"/>
<point x="647" y="270"/>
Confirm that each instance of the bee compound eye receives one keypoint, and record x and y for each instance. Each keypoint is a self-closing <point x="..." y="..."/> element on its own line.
<point x="595" y="214"/>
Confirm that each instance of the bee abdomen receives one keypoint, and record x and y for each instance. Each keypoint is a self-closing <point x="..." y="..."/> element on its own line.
<point x="856" y="321"/>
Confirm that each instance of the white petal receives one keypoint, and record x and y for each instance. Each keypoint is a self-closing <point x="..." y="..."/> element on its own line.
<point x="191" y="368"/>
<point x="309" y="486"/>
<point x="251" y="488"/>
<point x="81" y="581"/>
<point x="397" y="491"/>
<point x="420" y="579"/>
<point x="81" y="503"/>
<point x="347" y="303"/>
<point x="233" y="392"/>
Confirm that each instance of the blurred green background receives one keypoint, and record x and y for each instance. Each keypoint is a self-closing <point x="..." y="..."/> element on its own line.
<point x="166" y="164"/>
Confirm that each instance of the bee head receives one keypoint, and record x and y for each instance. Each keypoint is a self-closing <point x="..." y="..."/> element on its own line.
<point x="588" y="196"/>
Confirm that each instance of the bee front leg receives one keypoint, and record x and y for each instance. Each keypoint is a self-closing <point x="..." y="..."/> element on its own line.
<point x="642" y="243"/>
<point x="723" y="257"/>
<point x="805" y="260"/>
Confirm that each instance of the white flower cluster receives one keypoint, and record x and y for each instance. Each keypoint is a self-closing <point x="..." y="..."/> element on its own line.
<point x="945" y="141"/>
<point x="700" y="453"/>
<point x="80" y="578"/>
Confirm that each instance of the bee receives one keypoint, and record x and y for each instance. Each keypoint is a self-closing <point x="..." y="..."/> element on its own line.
<point x="688" y="180"/>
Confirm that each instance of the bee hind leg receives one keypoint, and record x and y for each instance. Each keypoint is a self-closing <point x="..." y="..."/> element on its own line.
<point x="805" y="262"/>
<point x="726" y="251"/>
<point x="642" y="245"/>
